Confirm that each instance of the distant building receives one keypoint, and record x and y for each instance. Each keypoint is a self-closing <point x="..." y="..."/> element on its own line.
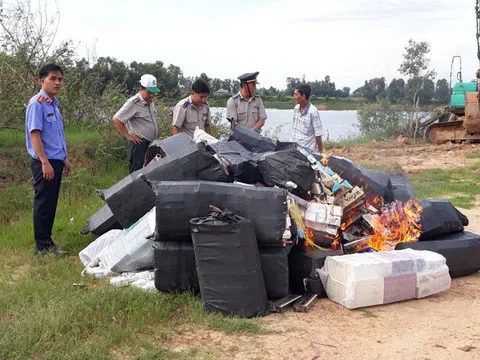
<point x="222" y="92"/>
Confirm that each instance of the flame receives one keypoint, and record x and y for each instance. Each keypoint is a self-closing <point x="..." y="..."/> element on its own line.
<point x="324" y="160"/>
<point x="395" y="222"/>
<point x="303" y="231"/>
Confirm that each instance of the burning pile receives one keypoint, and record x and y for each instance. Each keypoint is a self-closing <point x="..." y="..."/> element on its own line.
<point x="346" y="215"/>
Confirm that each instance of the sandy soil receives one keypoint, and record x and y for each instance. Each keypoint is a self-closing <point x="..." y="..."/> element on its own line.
<point x="410" y="158"/>
<point x="444" y="326"/>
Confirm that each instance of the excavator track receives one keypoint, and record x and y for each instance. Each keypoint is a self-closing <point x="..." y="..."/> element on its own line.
<point x="453" y="131"/>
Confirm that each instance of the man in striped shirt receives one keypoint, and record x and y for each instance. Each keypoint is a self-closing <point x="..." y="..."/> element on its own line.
<point x="307" y="127"/>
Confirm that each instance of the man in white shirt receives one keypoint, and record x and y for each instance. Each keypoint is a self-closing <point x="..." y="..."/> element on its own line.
<point x="307" y="127"/>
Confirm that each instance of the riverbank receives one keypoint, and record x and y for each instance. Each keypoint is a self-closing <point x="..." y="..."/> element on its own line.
<point x="287" y="103"/>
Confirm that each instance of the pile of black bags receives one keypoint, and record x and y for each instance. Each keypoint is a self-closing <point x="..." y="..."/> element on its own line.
<point x="226" y="240"/>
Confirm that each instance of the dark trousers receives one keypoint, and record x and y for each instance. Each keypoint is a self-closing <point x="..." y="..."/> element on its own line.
<point x="136" y="155"/>
<point x="45" y="202"/>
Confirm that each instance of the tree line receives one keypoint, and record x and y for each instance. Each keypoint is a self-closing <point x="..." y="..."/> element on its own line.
<point x="399" y="90"/>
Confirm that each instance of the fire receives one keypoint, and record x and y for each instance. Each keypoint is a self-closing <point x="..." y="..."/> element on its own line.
<point x="395" y="222"/>
<point x="324" y="160"/>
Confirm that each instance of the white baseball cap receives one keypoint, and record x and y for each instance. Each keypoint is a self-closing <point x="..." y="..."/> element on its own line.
<point x="150" y="82"/>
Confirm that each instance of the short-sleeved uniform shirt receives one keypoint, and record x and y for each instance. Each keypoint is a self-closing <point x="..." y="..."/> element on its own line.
<point x="43" y="114"/>
<point x="139" y="117"/>
<point x="187" y="117"/>
<point x="306" y="126"/>
<point x="245" y="112"/>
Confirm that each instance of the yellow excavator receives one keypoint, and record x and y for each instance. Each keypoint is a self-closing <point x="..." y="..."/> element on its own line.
<point x="460" y="121"/>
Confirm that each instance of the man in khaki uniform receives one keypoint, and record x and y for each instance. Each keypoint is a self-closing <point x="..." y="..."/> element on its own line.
<point x="136" y="121"/>
<point x="193" y="111"/>
<point x="246" y="108"/>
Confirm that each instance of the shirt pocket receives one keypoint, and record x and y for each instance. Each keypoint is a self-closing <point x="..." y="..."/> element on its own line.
<point x="255" y="111"/>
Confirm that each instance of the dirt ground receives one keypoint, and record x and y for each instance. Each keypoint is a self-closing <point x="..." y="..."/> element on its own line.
<point x="410" y="158"/>
<point x="443" y="326"/>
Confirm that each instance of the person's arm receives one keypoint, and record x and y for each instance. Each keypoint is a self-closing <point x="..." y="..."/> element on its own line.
<point x="262" y="116"/>
<point x="208" y="129"/>
<point x="47" y="169"/>
<point x="67" y="167"/>
<point x="179" y="115"/>
<point x="318" y="140"/>
<point x="258" y="124"/>
<point x="232" y="112"/>
<point x="125" y="114"/>
<point x="122" y="129"/>
<point x="317" y="128"/>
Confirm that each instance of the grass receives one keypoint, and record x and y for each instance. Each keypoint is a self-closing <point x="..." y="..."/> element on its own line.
<point x="42" y="315"/>
<point x="472" y="156"/>
<point x="461" y="186"/>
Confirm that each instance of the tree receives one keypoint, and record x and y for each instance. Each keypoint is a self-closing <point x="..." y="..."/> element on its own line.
<point x="26" y="42"/>
<point x="442" y="91"/>
<point x="373" y="90"/>
<point x="396" y="91"/>
<point x="292" y="84"/>
<point x="415" y="65"/>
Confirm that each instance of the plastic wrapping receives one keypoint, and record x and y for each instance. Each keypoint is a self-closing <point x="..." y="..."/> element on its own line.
<point x="375" y="183"/>
<point x="133" y="250"/>
<point x="280" y="145"/>
<point x="101" y="222"/>
<point x="242" y="168"/>
<point x="89" y="255"/>
<point x="303" y="265"/>
<point x="169" y="145"/>
<point x="275" y="271"/>
<point x="175" y="268"/>
<point x="201" y="135"/>
<point x="131" y="198"/>
<point x="439" y="217"/>
<point x="368" y="279"/>
<point x="461" y="250"/>
<point x="228" y="266"/>
<point x="179" y="201"/>
<point x="401" y="188"/>
<point x="287" y="166"/>
<point x="252" y="140"/>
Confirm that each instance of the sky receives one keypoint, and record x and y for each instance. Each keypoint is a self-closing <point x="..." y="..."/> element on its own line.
<point x="349" y="40"/>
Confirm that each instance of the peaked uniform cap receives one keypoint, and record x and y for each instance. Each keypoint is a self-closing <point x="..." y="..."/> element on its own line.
<point x="249" y="77"/>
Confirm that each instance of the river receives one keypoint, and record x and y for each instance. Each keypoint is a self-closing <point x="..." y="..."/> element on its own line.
<point x="337" y="125"/>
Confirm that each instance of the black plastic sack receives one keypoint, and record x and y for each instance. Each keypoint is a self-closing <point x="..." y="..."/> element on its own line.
<point x="375" y="183"/>
<point x="101" y="222"/>
<point x="242" y="168"/>
<point x="401" y="188"/>
<point x="275" y="271"/>
<point x="303" y="265"/>
<point x="287" y="165"/>
<point x="169" y="146"/>
<point x="228" y="265"/>
<point x="131" y="198"/>
<point x="252" y="140"/>
<point x="462" y="251"/>
<point x="439" y="217"/>
<point x="175" y="268"/>
<point x="463" y="218"/>
<point x="315" y="286"/>
<point x="179" y="201"/>
<point x="280" y="145"/>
